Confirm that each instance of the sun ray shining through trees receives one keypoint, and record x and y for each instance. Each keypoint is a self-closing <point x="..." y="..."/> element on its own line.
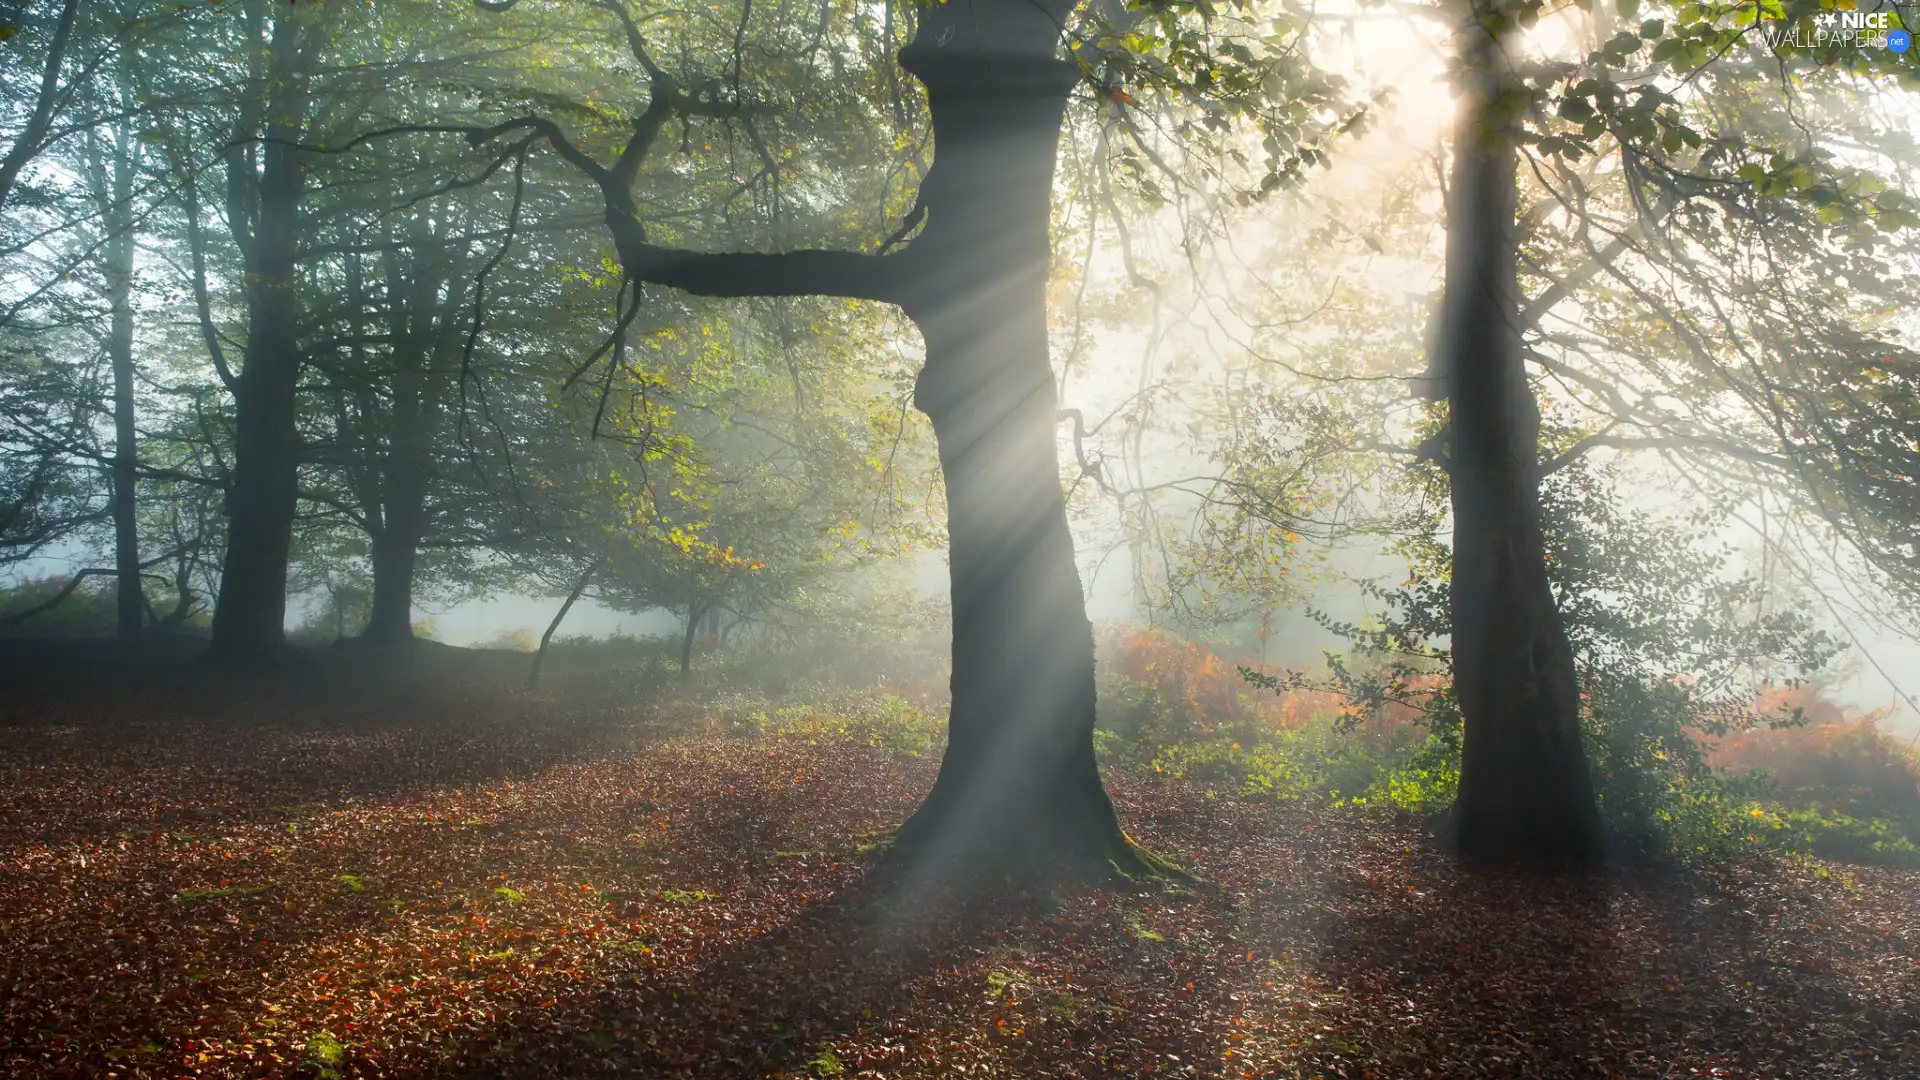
<point x="830" y="538"/>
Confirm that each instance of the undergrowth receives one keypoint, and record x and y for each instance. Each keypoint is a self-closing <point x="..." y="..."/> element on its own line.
<point x="1825" y="782"/>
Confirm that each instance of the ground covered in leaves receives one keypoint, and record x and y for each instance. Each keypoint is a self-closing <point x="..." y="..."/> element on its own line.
<point x="428" y="881"/>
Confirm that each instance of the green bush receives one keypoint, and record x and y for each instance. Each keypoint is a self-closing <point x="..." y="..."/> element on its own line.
<point x="877" y="719"/>
<point x="88" y="610"/>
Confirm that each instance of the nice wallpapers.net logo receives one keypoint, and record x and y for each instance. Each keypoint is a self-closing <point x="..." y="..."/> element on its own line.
<point x="1860" y="29"/>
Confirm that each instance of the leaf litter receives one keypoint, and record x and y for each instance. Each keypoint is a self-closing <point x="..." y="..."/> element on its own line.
<point x="497" y="884"/>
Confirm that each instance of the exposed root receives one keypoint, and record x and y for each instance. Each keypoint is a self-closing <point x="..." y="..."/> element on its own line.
<point x="1023" y="859"/>
<point x="1134" y="864"/>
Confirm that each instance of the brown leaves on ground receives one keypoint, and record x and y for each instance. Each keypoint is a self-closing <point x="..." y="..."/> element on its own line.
<point x="498" y="884"/>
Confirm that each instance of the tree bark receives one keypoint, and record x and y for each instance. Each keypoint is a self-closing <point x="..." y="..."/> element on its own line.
<point x="1019" y="789"/>
<point x="249" y="618"/>
<point x="1525" y="788"/>
<point x="129" y="594"/>
<point x="546" y="639"/>
<point x="404" y="469"/>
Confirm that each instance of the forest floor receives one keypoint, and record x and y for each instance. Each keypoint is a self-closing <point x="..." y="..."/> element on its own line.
<point x="450" y="877"/>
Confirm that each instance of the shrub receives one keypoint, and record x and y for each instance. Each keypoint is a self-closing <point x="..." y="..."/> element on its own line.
<point x="519" y="639"/>
<point x="1703" y="737"/>
<point x="88" y="610"/>
<point x="1176" y="706"/>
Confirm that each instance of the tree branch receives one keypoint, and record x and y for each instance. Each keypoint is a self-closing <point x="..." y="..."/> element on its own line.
<point x="202" y="303"/>
<point x="33" y="136"/>
<point x="809" y="272"/>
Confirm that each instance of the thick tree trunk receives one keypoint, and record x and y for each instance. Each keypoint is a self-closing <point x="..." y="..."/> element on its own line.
<point x="263" y="209"/>
<point x="694" y="612"/>
<point x="129" y="608"/>
<point x="1019" y="789"/>
<point x="390" y="619"/>
<point x="1525" y="788"/>
<point x="404" y="477"/>
<point x="248" y="621"/>
<point x="404" y="470"/>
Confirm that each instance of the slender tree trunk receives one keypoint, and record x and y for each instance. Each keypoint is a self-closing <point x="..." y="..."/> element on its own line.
<point x="1018" y="789"/>
<point x="248" y="621"/>
<point x="546" y="639"/>
<point x="182" y="593"/>
<point x="1525" y="788"/>
<point x="129" y="609"/>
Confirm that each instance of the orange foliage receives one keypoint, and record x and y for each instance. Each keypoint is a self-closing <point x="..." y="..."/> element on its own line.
<point x="1844" y="755"/>
<point x="1204" y="693"/>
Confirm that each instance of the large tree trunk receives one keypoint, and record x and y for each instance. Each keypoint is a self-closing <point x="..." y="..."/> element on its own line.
<point x="390" y="618"/>
<point x="422" y="331"/>
<point x="1525" y="788"/>
<point x="129" y="609"/>
<point x="263" y="208"/>
<point x="401" y="510"/>
<point x="1019" y="789"/>
<point x="248" y="622"/>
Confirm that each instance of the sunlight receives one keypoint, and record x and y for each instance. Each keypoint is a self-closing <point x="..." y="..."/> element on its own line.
<point x="1014" y="538"/>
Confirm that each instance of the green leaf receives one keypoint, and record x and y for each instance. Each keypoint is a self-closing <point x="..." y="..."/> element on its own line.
<point x="1576" y="109"/>
<point x="1623" y="44"/>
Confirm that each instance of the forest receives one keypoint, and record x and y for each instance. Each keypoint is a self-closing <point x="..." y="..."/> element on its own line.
<point x="938" y="538"/>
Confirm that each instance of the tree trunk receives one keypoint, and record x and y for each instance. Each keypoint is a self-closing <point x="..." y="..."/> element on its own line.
<point x="129" y="609"/>
<point x="418" y="328"/>
<point x="546" y="639"/>
<point x="248" y="621"/>
<point x="1525" y="788"/>
<point x="1018" y="789"/>
<point x="390" y="617"/>
<point x="694" y="611"/>
<point x="264" y="211"/>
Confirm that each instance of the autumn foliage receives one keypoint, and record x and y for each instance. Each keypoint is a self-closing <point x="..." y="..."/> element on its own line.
<point x="1838" y="760"/>
<point x="1197" y="694"/>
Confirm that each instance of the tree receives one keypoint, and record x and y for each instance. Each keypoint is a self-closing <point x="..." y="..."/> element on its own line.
<point x="111" y="175"/>
<point x="1525" y="789"/>
<point x="266" y="180"/>
<point x="396" y="389"/>
<point x="1019" y="788"/>
<point x="35" y="132"/>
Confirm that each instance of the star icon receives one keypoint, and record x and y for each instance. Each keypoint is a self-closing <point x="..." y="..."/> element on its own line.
<point x="1826" y="19"/>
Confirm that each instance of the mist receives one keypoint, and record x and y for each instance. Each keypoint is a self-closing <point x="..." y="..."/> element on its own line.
<point x="998" y="537"/>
